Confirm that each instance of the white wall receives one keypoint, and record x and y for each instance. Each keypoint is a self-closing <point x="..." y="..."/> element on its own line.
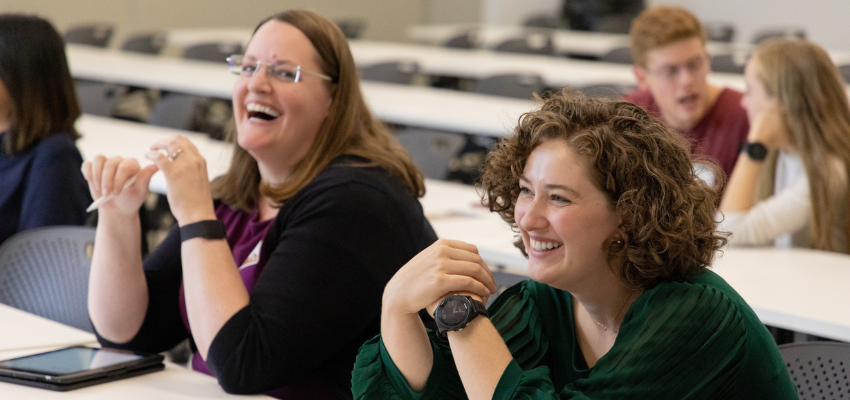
<point x="827" y="22"/>
<point x="514" y="12"/>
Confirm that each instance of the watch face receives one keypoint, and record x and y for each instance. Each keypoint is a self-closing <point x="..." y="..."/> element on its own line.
<point x="453" y="311"/>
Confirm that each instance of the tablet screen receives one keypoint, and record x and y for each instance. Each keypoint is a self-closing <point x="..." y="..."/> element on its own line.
<point x="70" y="360"/>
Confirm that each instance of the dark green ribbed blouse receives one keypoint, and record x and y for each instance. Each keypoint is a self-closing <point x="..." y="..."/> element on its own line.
<point x="696" y="339"/>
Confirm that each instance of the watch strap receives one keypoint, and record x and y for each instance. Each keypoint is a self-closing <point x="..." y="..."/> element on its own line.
<point x="209" y="229"/>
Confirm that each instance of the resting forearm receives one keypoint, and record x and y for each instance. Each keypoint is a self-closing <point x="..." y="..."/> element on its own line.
<point x="118" y="291"/>
<point x="407" y="343"/>
<point x="214" y="289"/>
<point x="481" y="357"/>
<point x="741" y="190"/>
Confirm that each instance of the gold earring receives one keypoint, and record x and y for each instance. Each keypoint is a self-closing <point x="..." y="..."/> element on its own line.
<point x="618" y="242"/>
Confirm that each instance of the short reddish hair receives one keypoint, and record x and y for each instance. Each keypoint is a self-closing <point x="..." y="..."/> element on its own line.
<point x="659" y="26"/>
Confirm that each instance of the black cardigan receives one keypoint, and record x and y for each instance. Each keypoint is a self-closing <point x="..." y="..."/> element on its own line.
<point x="338" y="241"/>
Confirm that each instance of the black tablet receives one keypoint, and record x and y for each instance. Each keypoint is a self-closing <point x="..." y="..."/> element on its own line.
<point x="77" y="366"/>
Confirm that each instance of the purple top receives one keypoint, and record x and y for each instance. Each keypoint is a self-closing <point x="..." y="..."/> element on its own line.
<point x="244" y="233"/>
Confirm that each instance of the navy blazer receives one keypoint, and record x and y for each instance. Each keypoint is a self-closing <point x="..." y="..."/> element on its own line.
<point x="42" y="186"/>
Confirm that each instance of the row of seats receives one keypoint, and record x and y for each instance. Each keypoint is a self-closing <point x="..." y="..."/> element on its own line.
<point x="45" y="272"/>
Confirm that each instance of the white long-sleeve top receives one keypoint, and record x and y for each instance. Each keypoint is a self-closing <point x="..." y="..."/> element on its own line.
<point x="782" y="219"/>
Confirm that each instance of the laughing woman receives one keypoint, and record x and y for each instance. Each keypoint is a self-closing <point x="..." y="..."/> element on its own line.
<point x="278" y="282"/>
<point x="619" y="232"/>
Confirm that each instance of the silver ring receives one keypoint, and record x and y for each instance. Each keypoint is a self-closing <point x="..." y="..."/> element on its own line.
<point x="174" y="154"/>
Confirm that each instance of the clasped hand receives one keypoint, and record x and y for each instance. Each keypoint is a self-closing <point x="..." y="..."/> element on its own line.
<point x="446" y="267"/>
<point x="189" y="194"/>
<point x="769" y="129"/>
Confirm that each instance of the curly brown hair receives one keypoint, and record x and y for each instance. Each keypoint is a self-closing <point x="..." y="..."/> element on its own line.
<point x="645" y="170"/>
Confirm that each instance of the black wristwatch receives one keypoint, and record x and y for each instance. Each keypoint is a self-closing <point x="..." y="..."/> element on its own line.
<point x="455" y="312"/>
<point x="755" y="151"/>
<point x="209" y="229"/>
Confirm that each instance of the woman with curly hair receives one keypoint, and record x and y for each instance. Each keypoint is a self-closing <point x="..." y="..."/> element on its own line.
<point x="619" y="232"/>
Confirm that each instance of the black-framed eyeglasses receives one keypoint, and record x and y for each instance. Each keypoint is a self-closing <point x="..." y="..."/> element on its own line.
<point x="237" y="65"/>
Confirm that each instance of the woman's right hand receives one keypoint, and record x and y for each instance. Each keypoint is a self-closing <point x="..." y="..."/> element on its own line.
<point x="445" y="267"/>
<point x="109" y="175"/>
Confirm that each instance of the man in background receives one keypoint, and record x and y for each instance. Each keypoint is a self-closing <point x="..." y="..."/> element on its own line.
<point x="671" y="65"/>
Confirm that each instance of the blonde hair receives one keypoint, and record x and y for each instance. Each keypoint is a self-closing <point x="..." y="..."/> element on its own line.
<point x="659" y="26"/>
<point x="815" y="111"/>
<point x="349" y="129"/>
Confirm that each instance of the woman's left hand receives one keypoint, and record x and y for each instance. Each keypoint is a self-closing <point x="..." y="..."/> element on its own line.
<point x="769" y="128"/>
<point x="185" y="170"/>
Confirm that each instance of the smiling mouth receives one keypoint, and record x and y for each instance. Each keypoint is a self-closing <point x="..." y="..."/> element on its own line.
<point x="544" y="246"/>
<point x="260" y="112"/>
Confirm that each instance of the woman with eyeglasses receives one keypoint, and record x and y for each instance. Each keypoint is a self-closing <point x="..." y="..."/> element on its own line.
<point x="790" y="184"/>
<point x="277" y="268"/>
<point x="40" y="180"/>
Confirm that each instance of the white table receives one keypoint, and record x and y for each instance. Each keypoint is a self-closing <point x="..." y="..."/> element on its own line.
<point x="23" y="334"/>
<point x="406" y="105"/>
<point x="565" y="41"/>
<point x="112" y="137"/>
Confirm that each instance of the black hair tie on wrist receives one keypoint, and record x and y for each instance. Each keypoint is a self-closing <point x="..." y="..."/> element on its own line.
<point x="209" y="229"/>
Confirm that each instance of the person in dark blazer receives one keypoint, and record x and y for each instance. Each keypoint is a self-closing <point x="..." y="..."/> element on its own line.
<point x="40" y="179"/>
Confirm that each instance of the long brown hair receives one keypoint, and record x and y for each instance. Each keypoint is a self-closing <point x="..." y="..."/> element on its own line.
<point x="349" y="129"/>
<point x="644" y="169"/>
<point x="34" y="70"/>
<point x="814" y="108"/>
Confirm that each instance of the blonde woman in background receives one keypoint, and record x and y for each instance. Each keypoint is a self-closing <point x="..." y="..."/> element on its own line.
<point x="789" y="187"/>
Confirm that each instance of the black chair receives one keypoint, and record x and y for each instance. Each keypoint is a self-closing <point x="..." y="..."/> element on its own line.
<point x="819" y="370"/>
<point x="719" y="31"/>
<point x="606" y="90"/>
<point x="545" y="21"/>
<point x="465" y="40"/>
<point x="521" y="86"/>
<point x="98" y="98"/>
<point x="504" y="280"/>
<point x="146" y="43"/>
<point x="532" y="43"/>
<point x="176" y="110"/>
<point x="619" y="55"/>
<point x="786" y="32"/>
<point x="401" y="72"/>
<point x="97" y="34"/>
<point x="45" y="272"/>
<point x="844" y="70"/>
<point x="212" y="51"/>
<point x="352" y="28"/>
<point x="726" y="63"/>
<point x="431" y="150"/>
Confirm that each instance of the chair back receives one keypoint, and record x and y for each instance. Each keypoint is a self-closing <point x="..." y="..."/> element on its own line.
<point x="726" y="63"/>
<point x="619" y="55"/>
<point x="612" y="91"/>
<point x="97" y="98"/>
<point x="97" y="34"/>
<point x="352" y="28"/>
<point x="401" y="72"/>
<point x="819" y="370"/>
<point x="212" y="51"/>
<point x="521" y="86"/>
<point x="844" y="70"/>
<point x="504" y="280"/>
<point x="719" y="31"/>
<point x="175" y="110"/>
<point x="465" y="40"/>
<point x="547" y="20"/>
<point x="146" y="43"/>
<point x="532" y="43"/>
<point x="431" y="150"/>
<point x="45" y="272"/>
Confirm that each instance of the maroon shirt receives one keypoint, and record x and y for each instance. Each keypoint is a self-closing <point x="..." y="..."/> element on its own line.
<point x="718" y="135"/>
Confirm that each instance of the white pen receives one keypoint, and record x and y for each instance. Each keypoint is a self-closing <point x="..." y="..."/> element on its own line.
<point x="103" y="199"/>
